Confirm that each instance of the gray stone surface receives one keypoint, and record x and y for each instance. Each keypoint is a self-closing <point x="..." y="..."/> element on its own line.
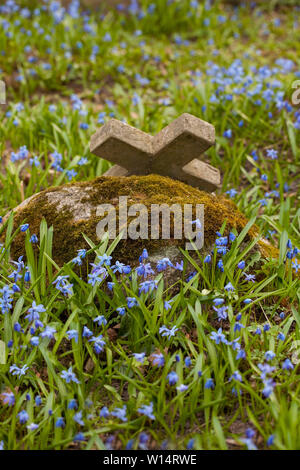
<point x="175" y="151"/>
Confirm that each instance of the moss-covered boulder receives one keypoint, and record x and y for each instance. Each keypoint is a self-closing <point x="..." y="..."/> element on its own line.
<point x="72" y="211"/>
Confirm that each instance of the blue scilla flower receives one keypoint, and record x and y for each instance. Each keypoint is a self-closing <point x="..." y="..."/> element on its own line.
<point x="281" y="336"/>
<point x="191" y="276"/>
<point x="218" y="301"/>
<point x="34" y="340"/>
<point x="34" y="161"/>
<point x="147" y="410"/>
<point x="104" y="413"/>
<point x="18" y="328"/>
<point x="18" y="371"/>
<point x="61" y="283"/>
<point x="57" y="159"/>
<point x="249" y="443"/>
<point x="190" y="444"/>
<point x="60" y="422"/>
<point x="287" y="365"/>
<point x="145" y="270"/>
<point x="209" y="384"/>
<point x="188" y="361"/>
<point x="229" y="287"/>
<point x="167" y="304"/>
<point x="241" y="354"/>
<point x="148" y="286"/>
<point x="144" y="255"/>
<point x="83" y="161"/>
<point x="72" y="334"/>
<point x="136" y="99"/>
<point x="132" y="302"/>
<point x="86" y="333"/>
<point x="227" y="134"/>
<point x="218" y="337"/>
<point x="164" y="331"/>
<point x="158" y="359"/>
<point x="71" y="174"/>
<point x="101" y="117"/>
<point x="99" y="343"/>
<point x="238" y="326"/>
<point x="101" y="320"/>
<point x="34" y="312"/>
<point x="98" y="274"/>
<point x="38" y="400"/>
<point x="179" y="266"/>
<point x="69" y="376"/>
<point x="269" y="355"/>
<point x="220" y="265"/>
<point x="296" y="265"/>
<point x="143" y="441"/>
<point x="24" y="227"/>
<point x="163" y="264"/>
<point x="182" y="388"/>
<point x="236" y="376"/>
<point x="265" y="369"/>
<point x="140" y="357"/>
<point x="8" y="398"/>
<point x="249" y="277"/>
<point x="221" y="241"/>
<point x="121" y="310"/>
<point x="23" y="416"/>
<point x="221" y="312"/>
<point x="110" y="285"/>
<point x="120" y="413"/>
<point x="172" y="378"/>
<point x="120" y="268"/>
<point x="272" y="153"/>
<point x="72" y="405"/>
<point x="232" y="193"/>
<point x="81" y="254"/>
<point x="78" y="418"/>
<point x="104" y="260"/>
<point x="268" y="389"/>
<point x="48" y="332"/>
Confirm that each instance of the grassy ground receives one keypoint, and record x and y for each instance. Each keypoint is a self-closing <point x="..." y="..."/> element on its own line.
<point x="216" y="365"/>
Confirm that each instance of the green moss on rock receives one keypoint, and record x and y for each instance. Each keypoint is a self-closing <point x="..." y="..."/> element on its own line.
<point x="150" y="189"/>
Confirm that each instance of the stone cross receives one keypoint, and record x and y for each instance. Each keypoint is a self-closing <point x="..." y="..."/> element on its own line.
<point x="175" y="151"/>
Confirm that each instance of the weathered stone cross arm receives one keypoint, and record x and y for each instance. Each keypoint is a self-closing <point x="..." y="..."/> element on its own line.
<point x="175" y="151"/>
